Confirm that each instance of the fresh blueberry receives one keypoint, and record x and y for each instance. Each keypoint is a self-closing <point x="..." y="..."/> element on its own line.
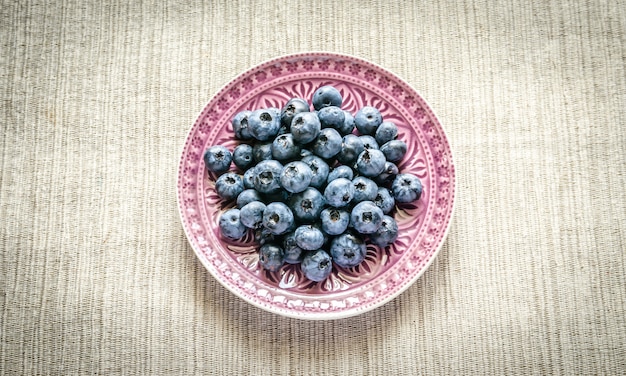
<point x="364" y="189"/>
<point x="307" y="205"/>
<point x="217" y="158"/>
<point x="293" y="253"/>
<point x="348" y="123"/>
<point x="366" y="217"/>
<point x="267" y="178"/>
<point x="387" y="233"/>
<point x="384" y="200"/>
<point x="305" y="153"/>
<point x="326" y="96"/>
<point x="406" y="188"/>
<point x="285" y="147"/>
<point x="264" y="124"/>
<point x="293" y="107"/>
<point x="341" y="171"/>
<point x="229" y="185"/>
<point x="351" y="147"/>
<point x="309" y="237"/>
<point x="389" y="173"/>
<point x="305" y="127"/>
<point x="331" y="117"/>
<point x="394" y="150"/>
<point x="262" y="151"/>
<point x="248" y="178"/>
<point x="334" y="221"/>
<point x="252" y="214"/>
<point x="367" y="120"/>
<point x="339" y="192"/>
<point x="371" y="162"/>
<point x="327" y="144"/>
<point x="277" y="218"/>
<point x="348" y="250"/>
<point x="369" y="142"/>
<point x="263" y="236"/>
<point x="386" y="132"/>
<point x="242" y="156"/>
<point x="296" y="176"/>
<point x="316" y="265"/>
<point x="271" y="257"/>
<point x="247" y="196"/>
<point x="319" y="168"/>
<point x="230" y="224"/>
<point x="240" y="125"/>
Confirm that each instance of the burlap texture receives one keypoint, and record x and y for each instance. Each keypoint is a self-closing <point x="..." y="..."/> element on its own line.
<point x="97" y="277"/>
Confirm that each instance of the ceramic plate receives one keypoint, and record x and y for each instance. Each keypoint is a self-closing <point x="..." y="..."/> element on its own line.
<point x="384" y="273"/>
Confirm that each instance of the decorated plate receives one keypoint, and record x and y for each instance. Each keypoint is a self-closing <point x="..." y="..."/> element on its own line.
<point x="385" y="272"/>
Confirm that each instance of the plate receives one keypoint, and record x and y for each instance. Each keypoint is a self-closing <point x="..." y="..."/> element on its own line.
<point x="385" y="273"/>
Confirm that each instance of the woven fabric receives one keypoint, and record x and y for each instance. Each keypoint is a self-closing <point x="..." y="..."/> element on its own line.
<point x="97" y="276"/>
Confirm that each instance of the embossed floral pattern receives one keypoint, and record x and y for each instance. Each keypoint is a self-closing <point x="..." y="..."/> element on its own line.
<point x="385" y="272"/>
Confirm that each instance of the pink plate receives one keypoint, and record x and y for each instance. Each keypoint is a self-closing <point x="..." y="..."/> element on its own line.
<point x="384" y="273"/>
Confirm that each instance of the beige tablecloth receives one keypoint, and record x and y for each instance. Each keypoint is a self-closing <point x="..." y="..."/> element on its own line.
<point x="97" y="276"/>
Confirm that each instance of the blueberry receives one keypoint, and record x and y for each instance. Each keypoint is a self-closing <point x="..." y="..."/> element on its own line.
<point x="364" y="189"/>
<point x="384" y="200"/>
<point x="316" y="265"/>
<point x="285" y="147"/>
<point x="319" y="168"/>
<point x="305" y="127"/>
<point x="248" y="178"/>
<point x="369" y="142"/>
<point x="305" y="153"/>
<point x="271" y="257"/>
<point x="326" y="96"/>
<point x="406" y="188"/>
<point x="387" y="233"/>
<point x="229" y="185"/>
<point x="366" y="217"/>
<point x="264" y="124"/>
<point x="217" y="158"/>
<point x="348" y="250"/>
<point x="307" y="205"/>
<point x="327" y="144"/>
<point x="263" y="236"/>
<point x="334" y="221"/>
<point x="331" y="117"/>
<point x="241" y="126"/>
<point x="267" y="178"/>
<point x="262" y="151"/>
<point x="351" y="147"/>
<point x="339" y="192"/>
<point x="389" y="173"/>
<point x="247" y="196"/>
<point x="277" y="218"/>
<point x="296" y="176"/>
<point x="293" y="107"/>
<point x="309" y="237"/>
<point x="394" y="150"/>
<point x="230" y="224"/>
<point x="371" y="162"/>
<point x="367" y="120"/>
<point x="340" y="172"/>
<point x="242" y="156"/>
<point x="386" y="132"/>
<point x="348" y="124"/>
<point x="252" y="214"/>
<point x="293" y="253"/>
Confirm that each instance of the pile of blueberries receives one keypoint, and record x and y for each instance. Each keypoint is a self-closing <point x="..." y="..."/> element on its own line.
<point x="310" y="182"/>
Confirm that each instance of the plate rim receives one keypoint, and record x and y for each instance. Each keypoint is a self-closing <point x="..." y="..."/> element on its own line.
<point x="327" y="315"/>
